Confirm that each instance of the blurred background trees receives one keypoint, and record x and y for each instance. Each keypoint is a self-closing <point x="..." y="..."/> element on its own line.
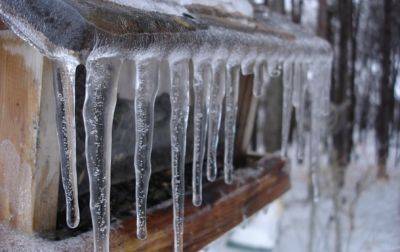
<point x="365" y="36"/>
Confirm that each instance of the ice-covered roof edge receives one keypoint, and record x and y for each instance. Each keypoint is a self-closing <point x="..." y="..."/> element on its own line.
<point x="177" y="7"/>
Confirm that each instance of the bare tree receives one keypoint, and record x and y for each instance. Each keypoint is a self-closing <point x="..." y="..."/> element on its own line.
<point x="386" y="107"/>
<point x="297" y="10"/>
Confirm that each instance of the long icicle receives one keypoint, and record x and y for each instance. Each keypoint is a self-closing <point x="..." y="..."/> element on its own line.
<point x="179" y="119"/>
<point x="64" y="90"/>
<point x="319" y="107"/>
<point x="231" y="104"/>
<point x="201" y="84"/>
<point x="146" y="87"/>
<point x="98" y="112"/>
<point x="299" y="103"/>
<point x="287" y="104"/>
<point x="217" y="92"/>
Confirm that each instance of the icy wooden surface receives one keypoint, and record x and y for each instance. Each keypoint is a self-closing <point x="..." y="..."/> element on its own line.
<point x="224" y="206"/>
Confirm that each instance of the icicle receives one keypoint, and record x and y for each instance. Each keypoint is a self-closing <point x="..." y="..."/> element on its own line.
<point x="146" y="87"/>
<point x="231" y="103"/>
<point x="248" y="63"/>
<point x="266" y="76"/>
<point x="319" y="91"/>
<point x="98" y="112"/>
<point x="275" y="69"/>
<point x="179" y="119"/>
<point x="314" y="149"/>
<point x="258" y="80"/>
<point x="217" y="92"/>
<point x="64" y="90"/>
<point x="326" y="88"/>
<point x="297" y="85"/>
<point x="300" y="73"/>
<point x="287" y="104"/>
<point x="325" y="82"/>
<point x="202" y="81"/>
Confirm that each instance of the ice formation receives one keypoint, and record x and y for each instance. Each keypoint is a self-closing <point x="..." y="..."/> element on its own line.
<point x="217" y="93"/>
<point x="98" y="112"/>
<point x="225" y="53"/>
<point x="179" y="120"/>
<point x="201" y="85"/>
<point x="287" y="103"/>
<point x="231" y="107"/>
<point x="146" y="87"/>
<point x="64" y="90"/>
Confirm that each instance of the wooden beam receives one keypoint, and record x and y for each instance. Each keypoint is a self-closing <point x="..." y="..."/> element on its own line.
<point x="245" y="118"/>
<point x="224" y="207"/>
<point x="29" y="173"/>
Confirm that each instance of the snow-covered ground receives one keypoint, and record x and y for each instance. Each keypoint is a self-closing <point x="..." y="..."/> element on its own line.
<point x="366" y="214"/>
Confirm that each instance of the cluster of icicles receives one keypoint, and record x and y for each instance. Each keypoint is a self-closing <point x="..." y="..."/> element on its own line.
<point x="212" y="82"/>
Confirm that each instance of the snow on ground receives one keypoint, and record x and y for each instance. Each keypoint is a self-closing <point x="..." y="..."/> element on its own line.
<point x="374" y="205"/>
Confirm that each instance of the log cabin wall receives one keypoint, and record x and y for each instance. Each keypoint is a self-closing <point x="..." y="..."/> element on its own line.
<point x="29" y="172"/>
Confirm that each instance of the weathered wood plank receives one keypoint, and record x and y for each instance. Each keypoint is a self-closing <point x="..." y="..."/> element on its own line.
<point x="46" y="182"/>
<point x="27" y="185"/>
<point x="245" y="118"/>
<point x="224" y="207"/>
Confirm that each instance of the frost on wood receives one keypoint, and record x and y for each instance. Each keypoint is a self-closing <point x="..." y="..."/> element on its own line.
<point x="220" y="52"/>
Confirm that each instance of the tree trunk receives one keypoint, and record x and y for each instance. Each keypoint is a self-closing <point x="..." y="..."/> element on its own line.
<point x="276" y="5"/>
<point x="322" y="19"/>
<point x="385" y="110"/>
<point x="297" y="11"/>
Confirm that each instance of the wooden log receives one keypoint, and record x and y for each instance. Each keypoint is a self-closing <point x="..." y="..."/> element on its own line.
<point x="29" y="172"/>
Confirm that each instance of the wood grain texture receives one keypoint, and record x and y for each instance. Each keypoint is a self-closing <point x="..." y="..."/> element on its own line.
<point x="25" y="193"/>
<point x="46" y="182"/>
